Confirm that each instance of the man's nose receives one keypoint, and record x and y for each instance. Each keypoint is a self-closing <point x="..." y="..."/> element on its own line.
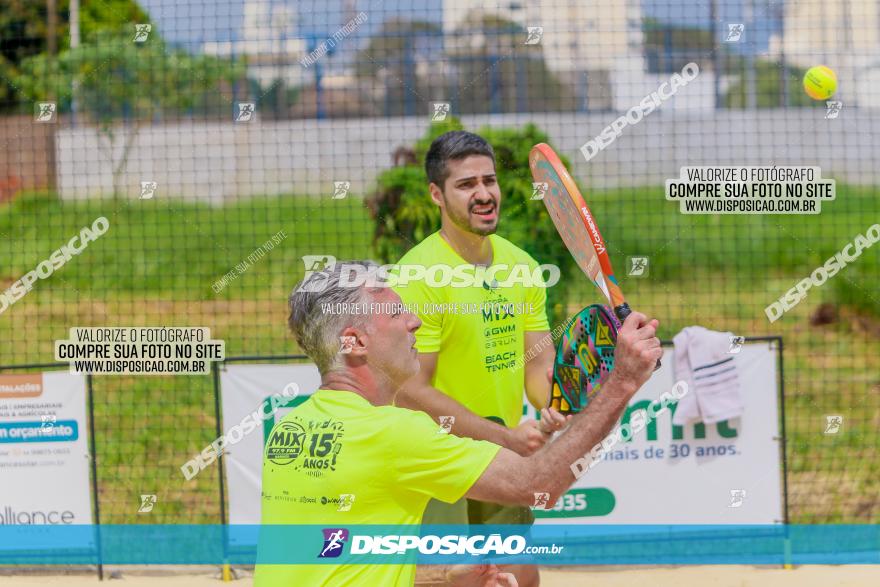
<point x="483" y="194"/>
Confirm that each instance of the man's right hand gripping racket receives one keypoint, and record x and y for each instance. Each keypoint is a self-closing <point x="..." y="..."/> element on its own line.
<point x="580" y="233"/>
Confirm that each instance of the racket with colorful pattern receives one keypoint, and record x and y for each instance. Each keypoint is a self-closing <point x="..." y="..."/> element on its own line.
<point x="576" y="226"/>
<point x="584" y="358"/>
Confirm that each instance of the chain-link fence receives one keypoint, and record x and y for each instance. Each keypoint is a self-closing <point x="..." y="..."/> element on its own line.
<point x="203" y="132"/>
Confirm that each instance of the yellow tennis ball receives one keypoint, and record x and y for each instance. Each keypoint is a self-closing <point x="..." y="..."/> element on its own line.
<point x="820" y="83"/>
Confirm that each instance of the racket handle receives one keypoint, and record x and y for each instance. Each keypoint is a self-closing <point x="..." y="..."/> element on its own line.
<point x="622" y="311"/>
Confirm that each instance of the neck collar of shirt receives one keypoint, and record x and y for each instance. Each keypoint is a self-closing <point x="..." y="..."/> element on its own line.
<point x="462" y="259"/>
<point x="344" y="395"/>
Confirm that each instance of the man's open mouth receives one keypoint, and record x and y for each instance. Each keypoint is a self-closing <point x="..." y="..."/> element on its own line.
<point x="483" y="209"/>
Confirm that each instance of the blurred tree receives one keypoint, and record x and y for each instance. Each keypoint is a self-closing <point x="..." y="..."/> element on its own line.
<point x="23" y="34"/>
<point x="116" y="79"/>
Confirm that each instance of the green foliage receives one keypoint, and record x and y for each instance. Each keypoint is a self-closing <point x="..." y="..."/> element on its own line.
<point x="401" y="207"/>
<point x="24" y="31"/>
<point x="97" y="16"/>
<point x="404" y="214"/>
<point x="115" y="78"/>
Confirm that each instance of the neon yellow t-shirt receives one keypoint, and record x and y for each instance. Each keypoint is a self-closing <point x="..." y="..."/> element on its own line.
<point x="479" y="330"/>
<point x="389" y="461"/>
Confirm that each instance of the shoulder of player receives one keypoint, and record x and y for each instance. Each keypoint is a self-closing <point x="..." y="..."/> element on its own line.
<point x="392" y="424"/>
<point x="298" y="416"/>
<point x="332" y="404"/>
<point x="406" y="423"/>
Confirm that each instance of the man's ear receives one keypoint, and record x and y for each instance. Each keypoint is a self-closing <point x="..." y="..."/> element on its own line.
<point x="353" y="341"/>
<point x="436" y="194"/>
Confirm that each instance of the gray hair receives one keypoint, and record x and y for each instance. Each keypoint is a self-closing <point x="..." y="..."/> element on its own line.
<point x="315" y="319"/>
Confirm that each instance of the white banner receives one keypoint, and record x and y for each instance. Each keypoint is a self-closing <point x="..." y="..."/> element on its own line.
<point x="44" y="451"/>
<point x="245" y="388"/>
<point x="724" y="473"/>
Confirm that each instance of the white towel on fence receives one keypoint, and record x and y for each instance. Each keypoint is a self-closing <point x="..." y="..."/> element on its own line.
<point x="704" y="361"/>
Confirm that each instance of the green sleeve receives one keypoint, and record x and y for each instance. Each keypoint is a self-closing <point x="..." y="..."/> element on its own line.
<point x="436" y="464"/>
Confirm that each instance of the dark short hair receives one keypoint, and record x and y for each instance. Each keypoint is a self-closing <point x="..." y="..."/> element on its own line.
<point x="455" y="144"/>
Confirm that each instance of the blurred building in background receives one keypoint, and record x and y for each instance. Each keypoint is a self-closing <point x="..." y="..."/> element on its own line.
<point x="269" y="43"/>
<point x="842" y="34"/>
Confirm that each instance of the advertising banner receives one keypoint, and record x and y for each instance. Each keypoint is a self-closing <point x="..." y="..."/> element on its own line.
<point x="724" y="473"/>
<point x="44" y="451"/>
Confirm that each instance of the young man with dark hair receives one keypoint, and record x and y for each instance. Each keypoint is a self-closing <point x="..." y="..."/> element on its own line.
<point x="476" y="358"/>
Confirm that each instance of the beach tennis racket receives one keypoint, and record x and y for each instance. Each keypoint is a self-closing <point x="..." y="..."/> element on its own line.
<point x="576" y="226"/>
<point x="584" y="358"/>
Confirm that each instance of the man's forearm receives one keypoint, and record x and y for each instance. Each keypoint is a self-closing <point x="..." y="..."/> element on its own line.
<point x="537" y="388"/>
<point x="436" y="404"/>
<point x="551" y="467"/>
<point x="512" y="479"/>
<point x="432" y="575"/>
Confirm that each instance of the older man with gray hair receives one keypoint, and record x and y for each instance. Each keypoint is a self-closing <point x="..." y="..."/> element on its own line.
<point x="349" y="439"/>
